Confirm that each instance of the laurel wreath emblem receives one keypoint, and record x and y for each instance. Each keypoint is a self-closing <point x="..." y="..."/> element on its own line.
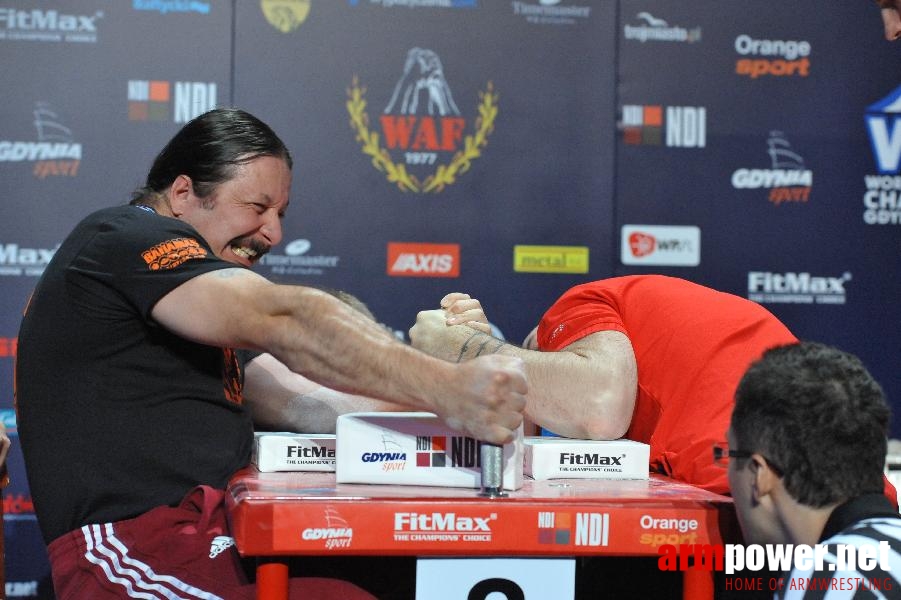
<point x="397" y="173"/>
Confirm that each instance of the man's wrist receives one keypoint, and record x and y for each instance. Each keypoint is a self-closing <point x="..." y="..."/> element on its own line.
<point x="478" y="344"/>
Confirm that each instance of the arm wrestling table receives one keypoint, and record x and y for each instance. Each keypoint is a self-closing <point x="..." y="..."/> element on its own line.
<point x="290" y="514"/>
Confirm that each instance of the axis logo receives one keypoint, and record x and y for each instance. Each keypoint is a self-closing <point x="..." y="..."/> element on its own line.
<point x="587" y="529"/>
<point x="682" y="126"/>
<point x="882" y="198"/>
<point x="788" y="180"/>
<point x="155" y="100"/>
<point x="673" y="245"/>
<point x="427" y="140"/>
<point x="423" y="260"/>
<point x="54" y="154"/>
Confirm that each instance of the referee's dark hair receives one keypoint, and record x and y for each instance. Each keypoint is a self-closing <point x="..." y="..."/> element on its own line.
<point x="817" y="413"/>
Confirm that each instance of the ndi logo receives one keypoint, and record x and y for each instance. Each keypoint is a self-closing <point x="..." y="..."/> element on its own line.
<point x="676" y="127"/>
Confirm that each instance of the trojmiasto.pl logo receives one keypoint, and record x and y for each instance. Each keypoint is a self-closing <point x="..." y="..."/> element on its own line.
<point x="421" y="141"/>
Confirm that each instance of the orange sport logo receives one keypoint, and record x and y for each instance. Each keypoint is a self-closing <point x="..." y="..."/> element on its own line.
<point x="172" y="253"/>
<point x="776" y="58"/>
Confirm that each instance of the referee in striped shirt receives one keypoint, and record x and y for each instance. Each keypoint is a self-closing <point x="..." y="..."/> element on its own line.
<point x="806" y="453"/>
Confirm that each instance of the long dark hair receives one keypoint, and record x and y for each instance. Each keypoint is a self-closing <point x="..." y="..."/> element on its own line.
<point x="207" y="149"/>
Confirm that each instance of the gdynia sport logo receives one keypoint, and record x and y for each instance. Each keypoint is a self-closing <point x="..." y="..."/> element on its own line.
<point x="827" y="567"/>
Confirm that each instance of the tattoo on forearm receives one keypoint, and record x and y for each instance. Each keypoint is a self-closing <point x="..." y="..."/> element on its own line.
<point x="489" y="345"/>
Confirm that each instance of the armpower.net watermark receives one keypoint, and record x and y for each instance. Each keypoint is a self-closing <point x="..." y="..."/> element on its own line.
<point x="829" y="567"/>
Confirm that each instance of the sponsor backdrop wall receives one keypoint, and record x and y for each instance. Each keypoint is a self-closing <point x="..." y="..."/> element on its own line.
<point x="505" y="149"/>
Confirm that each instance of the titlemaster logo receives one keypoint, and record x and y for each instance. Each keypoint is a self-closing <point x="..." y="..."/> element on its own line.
<point x="796" y="288"/>
<point x="296" y="261"/>
<point x="546" y="12"/>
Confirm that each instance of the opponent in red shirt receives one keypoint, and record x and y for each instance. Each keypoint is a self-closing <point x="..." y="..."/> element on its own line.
<point x="650" y="358"/>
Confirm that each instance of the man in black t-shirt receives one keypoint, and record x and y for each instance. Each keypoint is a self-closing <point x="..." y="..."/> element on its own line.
<point x="132" y="412"/>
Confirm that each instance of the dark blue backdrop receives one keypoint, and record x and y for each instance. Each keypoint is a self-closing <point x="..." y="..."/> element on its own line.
<point x="749" y="146"/>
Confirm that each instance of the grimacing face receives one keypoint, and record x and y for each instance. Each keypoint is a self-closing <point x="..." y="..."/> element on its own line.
<point x="241" y="218"/>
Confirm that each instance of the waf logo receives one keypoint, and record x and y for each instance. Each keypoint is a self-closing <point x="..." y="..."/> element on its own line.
<point x="172" y="253"/>
<point x="586" y="529"/>
<point x="882" y="198"/>
<point x="788" y="180"/>
<point x="180" y="101"/>
<point x="433" y="451"/>
<point x="423" y="260"/>
<point x="55" y="152"/>
<point x="673" y="126"/>
<point x="421" y="141"/>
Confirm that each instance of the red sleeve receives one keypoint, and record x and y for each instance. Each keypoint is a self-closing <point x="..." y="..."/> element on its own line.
<point x="890" y="492"/>
<point x="581" y="311"/>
